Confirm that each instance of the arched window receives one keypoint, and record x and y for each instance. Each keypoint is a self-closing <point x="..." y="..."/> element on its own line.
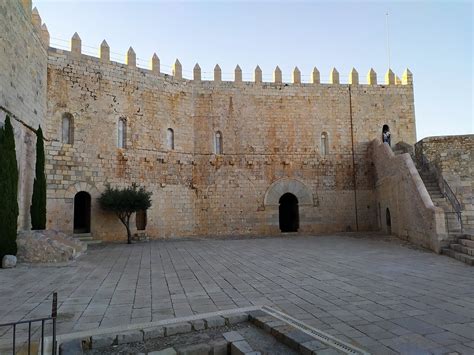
<point x="324" y="144"/>
<point x="170" y="138"/>
<point x="67" y="127"/>
<point x="218" y="142"/>
<point x="121" y="133"/>
<point x="386" y="137"/>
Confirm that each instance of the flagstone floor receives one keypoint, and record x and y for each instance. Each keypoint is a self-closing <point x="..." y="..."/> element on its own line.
<point x="370" y="290"/>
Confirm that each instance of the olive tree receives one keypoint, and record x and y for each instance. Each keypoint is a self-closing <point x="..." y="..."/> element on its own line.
<point x="124" y="202"/>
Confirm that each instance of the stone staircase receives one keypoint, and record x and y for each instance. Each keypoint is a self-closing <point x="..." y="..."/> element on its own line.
<point x="461" y="246"/>
<point x="462" y="249"/>
<point x="87" y="239"/>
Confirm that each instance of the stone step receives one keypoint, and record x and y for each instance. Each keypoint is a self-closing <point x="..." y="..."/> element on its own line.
<point x="467" y="242"/>
<point x="80" y="235"/>
<point x="458" y="256"/>
<point x="462" y="249"/>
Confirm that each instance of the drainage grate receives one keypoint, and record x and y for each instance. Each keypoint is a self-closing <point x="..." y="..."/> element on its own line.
<point x="318" y="334"/>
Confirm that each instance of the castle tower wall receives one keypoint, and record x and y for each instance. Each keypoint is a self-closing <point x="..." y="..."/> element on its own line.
<point x="272" y="138"/>
<point x="23" y="68"/>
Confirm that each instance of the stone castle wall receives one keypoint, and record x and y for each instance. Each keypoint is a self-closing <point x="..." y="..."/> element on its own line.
<point x="23" y="67"/>
<point x="453" y="157"/>
<point x="271" y="145"/>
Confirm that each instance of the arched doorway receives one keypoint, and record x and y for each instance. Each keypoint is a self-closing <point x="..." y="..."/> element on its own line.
<point x="82" y="212"/>
<point x="388" y="221"/>
<point x="288" y="213"/>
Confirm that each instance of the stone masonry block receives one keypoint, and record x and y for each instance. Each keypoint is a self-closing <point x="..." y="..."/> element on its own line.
<point x="103" y="341"/>
<point x="233" y="336"/>
<point x="130" y="337"/>
<point x="214" y="322"/>
<point x="219" y="347"/>
<point x="152" y="333"/>
<point x="196" y="349"/>
<point x="178" y="328"/>
<point x="310" y="347"/>
<point x="167" y="351"/>
<point x="236" y="318"/>
<point x="240" y="348"/>
<point x="198" y="324"/>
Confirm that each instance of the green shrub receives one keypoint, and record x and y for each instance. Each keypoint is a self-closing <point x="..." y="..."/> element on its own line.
<point x="38" y="201"/>
<point x="8" y="190"/>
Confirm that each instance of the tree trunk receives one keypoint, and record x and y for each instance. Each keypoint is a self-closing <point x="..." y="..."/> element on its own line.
<point x="125" y="219"/>
<point x="129" y="234"/>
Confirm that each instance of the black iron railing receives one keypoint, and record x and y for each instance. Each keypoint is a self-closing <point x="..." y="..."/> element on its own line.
<point x="14" y="326"/>
<point x="446" y="190"/>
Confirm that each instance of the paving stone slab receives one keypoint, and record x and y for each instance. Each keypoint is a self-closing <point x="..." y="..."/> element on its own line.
<point x="233" y="336"/>
<point x="309" y="347"/>
<point x="197" y="349"/>
<point x="240" y="348"/>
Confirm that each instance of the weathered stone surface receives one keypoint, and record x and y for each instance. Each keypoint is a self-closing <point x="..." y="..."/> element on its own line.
<point x="71" y="347"/>
<point x="219" y="347"/>
<point x="240" y="348"/>
<point x="9" y="261"/>
<point x="232" y="336"/>
<point x="151" y="333"/>
<point x="197" y="349"/>
<point x="213" y="322"/>
<point x="130" y="337"/>
<point x="309" y="347"/>
<point x="167" y="351"/>
<point x="47" y="246"/>
<point x="198" y="324"/>
<point x="236" y="318"/>
<point x="102" y="341"/>
<point x="177" y="328"/>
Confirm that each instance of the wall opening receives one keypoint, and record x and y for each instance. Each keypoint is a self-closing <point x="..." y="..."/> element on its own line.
<point x="121" y="133"/>
<point x="288" y="213"/>
<point x="324" y="144"/>
<point x="82" y="212"/>
<point x="388" y="221"/>
<point x="218" y="143"/>
<point x="386" y="136"/>
<point x="140" y="220"/>
<point x="170" y="138"/>
<point x="67" y="128"/>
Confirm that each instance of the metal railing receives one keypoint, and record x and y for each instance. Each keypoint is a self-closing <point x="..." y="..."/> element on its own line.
<point x="444" y="187"/>
<point x="14" y="326"/>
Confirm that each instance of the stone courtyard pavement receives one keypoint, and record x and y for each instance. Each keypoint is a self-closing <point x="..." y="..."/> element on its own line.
<point x="369" y="290"/>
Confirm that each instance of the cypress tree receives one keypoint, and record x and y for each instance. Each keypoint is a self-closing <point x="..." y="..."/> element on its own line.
<point x="38" y="201"/>
<point x="8" y="191"/>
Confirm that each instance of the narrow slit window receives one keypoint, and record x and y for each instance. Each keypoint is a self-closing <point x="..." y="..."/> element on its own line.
<point x="324" y="144"/>
<point x="121" y="133"/>
<point x="170" y="138"/>
<point x="218" y="143"/>
<point x="67" y="128"/>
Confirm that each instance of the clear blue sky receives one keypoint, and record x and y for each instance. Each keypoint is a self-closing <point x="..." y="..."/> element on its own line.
<point x="433" y="39"/>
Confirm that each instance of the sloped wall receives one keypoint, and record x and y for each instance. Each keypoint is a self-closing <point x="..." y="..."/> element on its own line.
<point x="400" y="190"/>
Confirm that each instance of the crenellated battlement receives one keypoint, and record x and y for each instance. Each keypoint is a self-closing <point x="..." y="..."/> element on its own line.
<point x="177" y="70"/>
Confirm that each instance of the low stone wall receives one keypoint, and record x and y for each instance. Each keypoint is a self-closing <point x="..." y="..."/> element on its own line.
<point x="403" y="199"/>
<point x="453" y="157"/>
